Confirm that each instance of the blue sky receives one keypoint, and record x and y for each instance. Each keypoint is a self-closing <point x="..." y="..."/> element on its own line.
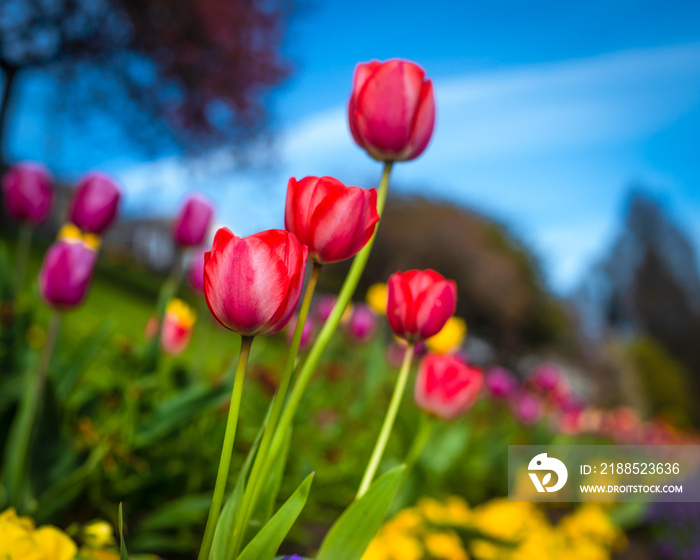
<point x="547" y="112"/>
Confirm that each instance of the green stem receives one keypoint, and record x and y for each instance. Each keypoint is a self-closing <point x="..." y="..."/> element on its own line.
<point x="256" y="481"/>
<point x="324" y="336"/>
<point x="388" y="425"/>
<point x="17" y="458"/>
<point x="227" y="449"/>
<point x="422" y="437"/>
<point x="24" y="242"/>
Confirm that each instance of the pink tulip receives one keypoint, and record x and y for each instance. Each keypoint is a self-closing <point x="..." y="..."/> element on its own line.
<point x="334" y="221"/>
<point x="546" y="377"/>
<point x="501" y="383"/>
<point x="192" y="223"/>
<point x="28" y="190"/>
<point x="391" y="109"/>
<point x="527" y="409"/>
<point x="195" y="271"/>
<point x="66" y="272"/>
<point x="95" y="203"/>
<point x="324" y="307"/>
<point x="447" y="387"/>
<point x="253" y="284"/>
<point x="362" y="323"/>
<point x="419" y="303"/>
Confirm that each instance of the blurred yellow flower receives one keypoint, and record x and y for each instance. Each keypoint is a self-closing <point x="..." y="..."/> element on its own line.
<point x="181" y="312"/>
<point x="19" y="540"/>
<point x="71" y="232"/>
<point x="376" y="298"/>
<point x="449" y="338"/>
<point x="520" y="531"/>
<point x="98" y="534"/>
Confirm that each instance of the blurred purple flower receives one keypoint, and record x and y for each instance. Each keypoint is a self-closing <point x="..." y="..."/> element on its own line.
<point x="28" y="190"/>
<point x="362" y="324"/>
<point x="527" y="409"/>
<point x="324" y="307"/>
<point x="546" y="377"/>
<point x="501" y="383"/>
<point x="307" y="334"/>
<point x="65" y="274"/>
<point x="94" y="203"/>
<point x="193" y="221"/>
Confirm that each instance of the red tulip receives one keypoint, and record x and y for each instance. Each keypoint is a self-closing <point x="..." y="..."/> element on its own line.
<point x="252" y="284"/>
<point x="446" y="386"/>
<point x="391" y="109"/>
<point x="28" y="189"/>
<point x="195" y="271"/>
<point x="334" y="221"/>
<point x="419" y="303"/>
<point x="95" y="203"/>
<point x="192" y="223"/>
<point x="65" y="275"/>
<point x="177" y="327"/>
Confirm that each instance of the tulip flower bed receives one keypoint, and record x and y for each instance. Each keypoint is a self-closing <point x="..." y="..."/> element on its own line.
<point x="275" y="419"/>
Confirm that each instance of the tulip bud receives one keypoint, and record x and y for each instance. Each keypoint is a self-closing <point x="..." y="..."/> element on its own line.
<point x="501" y="383"/>
<point x="419" y="303"/>
<point x="195" y="271"/>
<point x="446" y="386"/>
<point x="334" y="221"/>
<point x="98" y="534"/>
<point x="192" y="223"/>
<point x="253" y="284"/>
<point x="28" y="190"/>
<point x="95" y="203"/>
<point x="362" y="323"/>
<point x="66" y="272"/>
<point x="391" y="110"/>
<point x="546" y="378"/>
<point x="527" y="409"/>
<point x="177" y="327"/>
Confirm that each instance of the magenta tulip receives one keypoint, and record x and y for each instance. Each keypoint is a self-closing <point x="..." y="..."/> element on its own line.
<point x="192" y="223"/>
<point x="362" y="323"/>
<point x="334" y="221"/>
<point x="28" y="190"/>
<point x="307" y="333"/>
<point x="253" y="284"/>
<point x="527" y="409"/>
<point x="66" y="272"/>
<point x="419" y="303"/>
<point x="501" y="383"/>
<point x="95" y="203"/>
<point x="391" y="109"/>
<point x="446" y="386"/>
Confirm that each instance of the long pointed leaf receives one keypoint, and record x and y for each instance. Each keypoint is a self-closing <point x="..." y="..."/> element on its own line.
<point x="268" y="540"/>
<point x="123" y="554"/>
<point x="351" y="534"/>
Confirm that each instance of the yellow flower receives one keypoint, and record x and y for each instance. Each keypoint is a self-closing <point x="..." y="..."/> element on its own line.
<point x="71" y="232"/>
<point x="54" y="544"/>
<point x="449" y="338"/>
<point x="181" y="312"/>
<point x="98" y="534"/>
<point x="19" y="540"/>
<point x="445" y="546"/>
<point x="376" y="298"/>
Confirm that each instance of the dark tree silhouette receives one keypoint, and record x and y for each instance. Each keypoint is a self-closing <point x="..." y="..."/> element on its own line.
<point x="198" y="68"/>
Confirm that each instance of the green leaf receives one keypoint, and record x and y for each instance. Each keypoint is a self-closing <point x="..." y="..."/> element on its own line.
<point x="268" y="540"/>
<point x="354" y="530"/>
<point x="268" y="496"/>
<point x="227" y="518"/>
<point x="179" y="410"/>
<point x="123" y="554"/>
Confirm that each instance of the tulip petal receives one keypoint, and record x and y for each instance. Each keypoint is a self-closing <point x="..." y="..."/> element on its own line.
<point x="434" y="307"/>
<point x="423" y="124"/>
